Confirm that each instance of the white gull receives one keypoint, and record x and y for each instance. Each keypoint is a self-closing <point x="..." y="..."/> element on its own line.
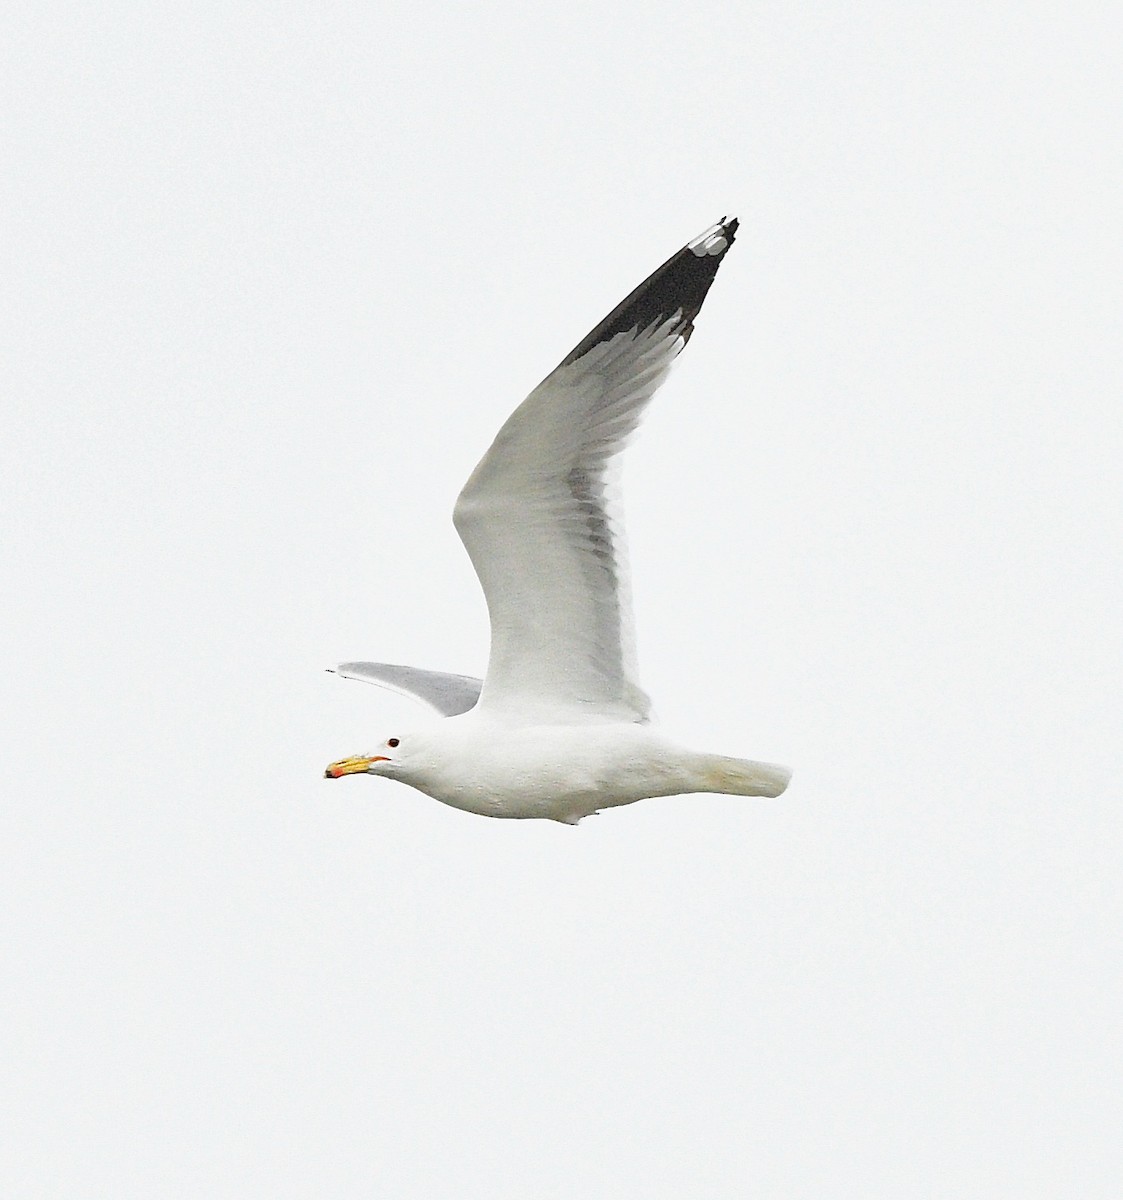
<point x="560" y="727"/>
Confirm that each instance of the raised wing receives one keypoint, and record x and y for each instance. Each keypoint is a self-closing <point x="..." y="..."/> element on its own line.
<point x="537" y="515"/>
<point x="445" y="694"/>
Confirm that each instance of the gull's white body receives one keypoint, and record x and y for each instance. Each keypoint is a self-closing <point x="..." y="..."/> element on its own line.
<point x="560" y="726"/>
<point x="562" y="772"/>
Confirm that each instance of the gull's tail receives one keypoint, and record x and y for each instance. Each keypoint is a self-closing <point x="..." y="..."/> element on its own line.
<point x="743" y="777"/>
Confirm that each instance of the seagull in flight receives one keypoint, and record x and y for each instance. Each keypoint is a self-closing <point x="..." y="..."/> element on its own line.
<point x="560" y="728"/>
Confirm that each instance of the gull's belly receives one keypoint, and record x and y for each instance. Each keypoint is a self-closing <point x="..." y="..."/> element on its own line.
<point x="560" y="773"/>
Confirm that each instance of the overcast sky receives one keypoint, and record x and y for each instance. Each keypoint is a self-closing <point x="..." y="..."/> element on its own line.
<point x="273" y="276"/>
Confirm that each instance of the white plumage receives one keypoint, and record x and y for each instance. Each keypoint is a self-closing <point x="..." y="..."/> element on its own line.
<point x="560" y="728"/>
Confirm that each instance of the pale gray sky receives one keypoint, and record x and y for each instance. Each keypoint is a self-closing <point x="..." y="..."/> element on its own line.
<point x="273" y="277"/>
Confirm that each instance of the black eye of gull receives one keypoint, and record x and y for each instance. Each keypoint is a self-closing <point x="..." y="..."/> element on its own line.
<point x="392" y="743"/>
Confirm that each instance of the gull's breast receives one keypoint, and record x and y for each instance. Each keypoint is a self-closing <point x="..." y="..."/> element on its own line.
<point x="554" y="772"/>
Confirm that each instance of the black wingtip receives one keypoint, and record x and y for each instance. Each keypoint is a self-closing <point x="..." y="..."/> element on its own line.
<point x="678" y="286"/>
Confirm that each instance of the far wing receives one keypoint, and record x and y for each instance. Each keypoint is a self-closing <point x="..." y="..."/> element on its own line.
<point x="448" y="695"/>
<point x="537" y="516"/>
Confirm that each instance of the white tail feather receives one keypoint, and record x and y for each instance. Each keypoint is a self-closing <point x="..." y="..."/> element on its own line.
<point x="743" y="777"/>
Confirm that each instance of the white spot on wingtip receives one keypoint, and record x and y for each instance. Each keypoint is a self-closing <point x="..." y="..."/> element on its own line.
<point x="713" y="241"/>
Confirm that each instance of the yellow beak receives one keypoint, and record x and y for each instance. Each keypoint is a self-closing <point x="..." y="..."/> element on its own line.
<point x="352" y="766"/>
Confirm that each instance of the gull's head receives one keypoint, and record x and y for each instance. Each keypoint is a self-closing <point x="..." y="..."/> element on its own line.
<point x="388" y="759"/>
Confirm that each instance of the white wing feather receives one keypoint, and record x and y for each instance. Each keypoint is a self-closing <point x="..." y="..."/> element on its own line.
<point x="543" y="529"/>
<point x="539" y="519"/>
<point x="446" y="694"/>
